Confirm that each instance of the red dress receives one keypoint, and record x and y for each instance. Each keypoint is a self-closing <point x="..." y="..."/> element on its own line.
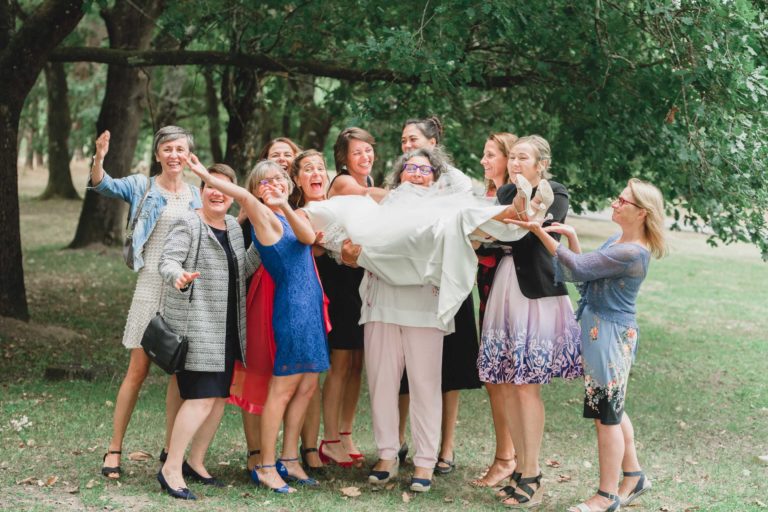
<point x="250" y="383"/>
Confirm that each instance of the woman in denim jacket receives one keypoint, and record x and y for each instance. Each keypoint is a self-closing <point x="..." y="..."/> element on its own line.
<point x="157" y="201"/>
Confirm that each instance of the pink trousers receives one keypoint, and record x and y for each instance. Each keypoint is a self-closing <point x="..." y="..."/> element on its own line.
<point x="388" y="349"/>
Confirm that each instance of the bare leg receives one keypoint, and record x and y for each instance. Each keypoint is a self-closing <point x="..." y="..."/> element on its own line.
<point x="349" y="400"/>
<point x="281" y="391"/>
<point x="504" y="458"/>
<point x="252" y="430"/>
<point x="311" y="429"/>
<point x="172" y="403"/>
<point x="333" y="395"/>
<point x="138" y="367"/>
<point x="204" y="437"/>
<point x="610" y="446"/>
<point x="527" y="427"/>
<point x="294" y="418"/>
<point x="448" y="426"/>
<point x="403" y="403"/>
<point x="629" y="462"/>
<point x="190" y="417"/>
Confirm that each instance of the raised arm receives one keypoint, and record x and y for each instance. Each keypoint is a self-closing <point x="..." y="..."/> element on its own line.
<point x="347" y="186"/>
<point x="97" y="168"/>
<point x="265" y="223"/>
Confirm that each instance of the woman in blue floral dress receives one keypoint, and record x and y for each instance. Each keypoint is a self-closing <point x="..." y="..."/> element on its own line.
<point x="610" y="280"/>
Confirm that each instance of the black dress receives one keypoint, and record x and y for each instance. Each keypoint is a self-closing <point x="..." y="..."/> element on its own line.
<point x="194" y="384"/>
<point x="341" y="285"/>
<point x="460" y="351"/>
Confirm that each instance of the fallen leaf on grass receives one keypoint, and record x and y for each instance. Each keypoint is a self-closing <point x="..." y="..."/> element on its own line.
<point x="109" y="403"/>
<point x="665" y="508"/>
<point x="72" y="490"/>
<point x="586" y="464"/>
<point x="760" y="504"/>
<point x="27" y="481"/>
<point x="51" y="480"/>
<point x="389" y="486"/>
<point x="683" y="425"/>
<point x="352" y="492"/>
<point x="140" y="455"/>
<point x="406" y="497"/>
<point x="448" y="499"/>
<point x="552" y="463"/>
<point x="223" y="463"/>
<point x="91" y="484"/>
<point x="563" y="478"/>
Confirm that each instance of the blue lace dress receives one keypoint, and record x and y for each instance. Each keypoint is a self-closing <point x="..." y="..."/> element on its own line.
<point x="300" y="339"/>
<point x="610" y="279"/>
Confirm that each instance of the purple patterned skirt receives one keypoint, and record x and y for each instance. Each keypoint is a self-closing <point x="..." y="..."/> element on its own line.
<point x="527" y="341"/>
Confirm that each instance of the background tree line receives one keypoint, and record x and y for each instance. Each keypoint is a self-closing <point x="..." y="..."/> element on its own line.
<point x="671" y="91"/>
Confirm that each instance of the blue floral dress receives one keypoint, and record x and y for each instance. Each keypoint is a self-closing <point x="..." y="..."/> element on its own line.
<point x="300" y="337"/>
<point x="610" y="280"/>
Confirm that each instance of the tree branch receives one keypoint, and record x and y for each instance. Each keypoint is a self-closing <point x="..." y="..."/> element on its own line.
<point x="262" y="62"/>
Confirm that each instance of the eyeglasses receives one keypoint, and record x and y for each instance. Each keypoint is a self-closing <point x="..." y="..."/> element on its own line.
<point x="272" y="180"/>
<point x="424" y="170"/>
<point x="623" y="201"/>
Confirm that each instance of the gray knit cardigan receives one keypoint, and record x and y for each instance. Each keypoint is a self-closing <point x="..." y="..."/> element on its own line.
<point x="207" y="313"/>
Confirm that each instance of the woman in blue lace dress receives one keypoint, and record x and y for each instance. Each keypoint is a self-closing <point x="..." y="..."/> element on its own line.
<point x="610" y="280"/>
<point x="284" y="240"/>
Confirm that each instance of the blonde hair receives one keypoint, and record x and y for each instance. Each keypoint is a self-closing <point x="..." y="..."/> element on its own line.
<point x="259" y="172"/>
<point x="649" y="198"/>
<point x="542" y="151"/>
<point x="504" y="141"/>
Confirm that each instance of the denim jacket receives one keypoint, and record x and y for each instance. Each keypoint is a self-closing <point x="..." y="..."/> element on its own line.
<point x="131" y="189"/>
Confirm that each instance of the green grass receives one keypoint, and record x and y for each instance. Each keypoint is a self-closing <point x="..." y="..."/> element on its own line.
<point x="698" y="395"/>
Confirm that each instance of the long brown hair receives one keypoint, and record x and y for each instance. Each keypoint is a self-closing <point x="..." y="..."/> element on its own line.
<point x="297" y="199"/>
<point x="504" y="141"/>
<point x="264" y="154"/>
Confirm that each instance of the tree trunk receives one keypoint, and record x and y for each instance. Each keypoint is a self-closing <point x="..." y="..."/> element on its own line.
<point x="59" y="125"/>
<point x="130" y="25"/>
<point x="212" y="112"/>
<point x="315" y="121"/>
<point x="23" y="53"/>
<point x="241" y="95"/>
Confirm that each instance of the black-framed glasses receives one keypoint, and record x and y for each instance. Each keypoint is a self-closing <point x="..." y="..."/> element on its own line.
<point x="424" y="170"/>
<point x="623" y="201"/>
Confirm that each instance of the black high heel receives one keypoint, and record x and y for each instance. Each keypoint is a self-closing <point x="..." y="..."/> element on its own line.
<point x="189" y="472"/>
<point x="402" y="453"/>
<point x="316" y="470"/>
<point x="180" y="494"/>
<point x="106" y="471"/>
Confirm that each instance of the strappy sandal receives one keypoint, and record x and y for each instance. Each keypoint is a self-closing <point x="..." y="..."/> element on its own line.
<point x="614" y="507"/>
<point x="116" y="470"/>
<point x="643" y="485"/>
<point x="354" y="456"/>
<point x="310" y="469"/>
<point x="482" y="482"/>
<point x="251" y="453"/>
<point x="282" y="470"/>
<point x="327" y="459"/>
<point x="509" y="490"/>
<point x="284" y="489"/>
<point x="445" y="466"/>
<point x="531" y="498"/>
<point x="525" y="190"/>
<point x="546" y="197"/>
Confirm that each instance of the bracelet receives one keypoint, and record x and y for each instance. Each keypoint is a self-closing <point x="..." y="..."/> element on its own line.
<point x="93" y="161"/>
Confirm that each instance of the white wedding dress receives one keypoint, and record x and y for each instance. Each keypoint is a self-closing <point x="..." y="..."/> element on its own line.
<point x="416" y="235"/>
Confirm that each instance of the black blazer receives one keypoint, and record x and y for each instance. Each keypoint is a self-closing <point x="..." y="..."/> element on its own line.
<point x="533" y="263"/>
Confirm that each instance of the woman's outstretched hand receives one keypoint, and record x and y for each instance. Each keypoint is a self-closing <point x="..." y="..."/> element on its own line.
<point x="185" y="279"/>
<point x="563" y="229"/>
<point x="196" y="167"/>
<point x="102" y="145"/>
<point x="273" y="196"/>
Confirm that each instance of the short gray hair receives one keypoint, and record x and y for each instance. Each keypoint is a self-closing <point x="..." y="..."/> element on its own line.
<point x="259" y="172"/>
<point x="436" y="156"/>
<point x="169" y="133"/>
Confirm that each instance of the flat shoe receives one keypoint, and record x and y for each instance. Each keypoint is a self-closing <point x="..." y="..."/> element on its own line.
<point x="613" y="507"/>
<point x="377" y="477"/>
<point x="643" y="485"/>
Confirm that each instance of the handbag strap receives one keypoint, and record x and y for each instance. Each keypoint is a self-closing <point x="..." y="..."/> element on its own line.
<point x="130" y="225"/>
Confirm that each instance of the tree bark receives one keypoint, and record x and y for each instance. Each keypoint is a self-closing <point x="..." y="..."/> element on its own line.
<point x="23" y="53"/>
<point x="129" y="25"/>
<point x="212" y="113"/>
<point x="59" y="125"/>
<point x="241" y="96"/>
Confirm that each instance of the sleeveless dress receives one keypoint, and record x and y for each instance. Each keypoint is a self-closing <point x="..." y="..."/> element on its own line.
<point x="300" y="337"/>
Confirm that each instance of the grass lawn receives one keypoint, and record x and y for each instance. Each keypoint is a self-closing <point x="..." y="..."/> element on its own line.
<point x="698" y="395"/>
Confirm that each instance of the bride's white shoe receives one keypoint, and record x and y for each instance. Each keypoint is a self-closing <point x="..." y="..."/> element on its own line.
<point x="543" y="199"/>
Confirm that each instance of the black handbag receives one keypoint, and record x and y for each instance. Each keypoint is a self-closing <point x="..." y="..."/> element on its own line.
<point x="165" y="348"/>
<point x="130" y="226"/>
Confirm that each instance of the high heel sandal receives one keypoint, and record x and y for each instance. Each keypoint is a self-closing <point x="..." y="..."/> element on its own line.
<point x="546" y="197"/>
<point x="106" y="471"/>
<point x="326" y="459"/>
<point x="353" y="456"/>
<point x="525" y="189"/>
<point x="282" y="470"/>
<point x="509" y="490"/>
<point x="531" y="498"/>
<point x="402" y="453"/>
<point x="482" y="482"/>
<point x="641" y="487"/>
<point x="284" y="489"/>
<point x="616" y="505"/>
<point x="310" y="469"/>
<point x="179" y="494"/>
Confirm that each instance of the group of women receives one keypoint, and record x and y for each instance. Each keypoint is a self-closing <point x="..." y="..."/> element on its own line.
<point x="323" y="275"/>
